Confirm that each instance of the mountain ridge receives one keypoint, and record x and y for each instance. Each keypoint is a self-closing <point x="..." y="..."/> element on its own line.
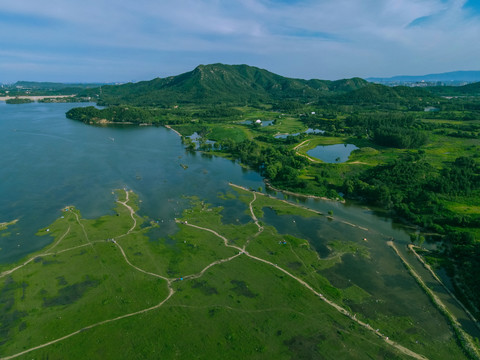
<point x="220" y="83"/>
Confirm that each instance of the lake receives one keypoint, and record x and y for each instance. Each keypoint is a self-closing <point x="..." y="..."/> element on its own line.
<point x="309" y="131"/>
<point x="338" y="153"/>
<point x="49" y="162"/>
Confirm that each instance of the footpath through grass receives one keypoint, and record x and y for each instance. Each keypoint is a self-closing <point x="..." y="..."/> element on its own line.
<point x="212" y="290"/>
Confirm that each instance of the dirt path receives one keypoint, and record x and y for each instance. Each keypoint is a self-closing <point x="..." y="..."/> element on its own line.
<point x="8" y="272"/>
<point x="305" y="155"/>
<point x="426" y="266"/>
<point x="298" y="205"/>
<point x="225" y="240"/>
<point x="175" y="131"/>
<point x="139" y="269"/>
<point x="255" y="220"/>
<point x="241" y="251"/>
<point x="83" y="228"/>
<point x="301" y="144"/>
<point x="343" y="311"/>
<point x="465" y="339"/>
<point x="132" y="212"/>
<point x="171" y="291"/>
<point x="200" y="274"/>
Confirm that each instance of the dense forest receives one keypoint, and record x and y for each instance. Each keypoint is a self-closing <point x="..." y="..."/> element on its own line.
<point x="18" y="101"/>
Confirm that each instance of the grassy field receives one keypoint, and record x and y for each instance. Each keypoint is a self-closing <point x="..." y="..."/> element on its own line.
<point x="108" y="288"/>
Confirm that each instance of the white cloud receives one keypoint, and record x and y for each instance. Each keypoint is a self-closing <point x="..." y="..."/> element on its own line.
<point x="330" y="38"/>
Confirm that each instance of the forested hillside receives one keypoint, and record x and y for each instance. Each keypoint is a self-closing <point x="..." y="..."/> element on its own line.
<point x="220" y="84"/>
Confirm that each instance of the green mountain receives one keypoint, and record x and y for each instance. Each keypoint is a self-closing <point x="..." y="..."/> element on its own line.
<point x="223" y="84"/>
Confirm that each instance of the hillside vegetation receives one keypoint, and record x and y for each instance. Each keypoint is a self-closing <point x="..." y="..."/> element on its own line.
<point x="220" y="84"/>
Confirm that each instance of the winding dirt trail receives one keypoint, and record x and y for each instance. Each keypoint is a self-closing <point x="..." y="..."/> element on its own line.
<point x="225" y="240"/>
<point x="132" y="212"/>
<point x="301" y="144"/>
<point x="171" y="291"/>
<point x="439" y="304"/>
<point x="175" y="131"/>
<point x="428" y="267"/>
<point x="200" y="274"/>
<point x="313" y="160"/>
<point x="8" y="272"/>
<point x="337" y="307"/>
<point x="139" y="269"/>
<point x="83" y="228"/>
<point x="241" y="251"/>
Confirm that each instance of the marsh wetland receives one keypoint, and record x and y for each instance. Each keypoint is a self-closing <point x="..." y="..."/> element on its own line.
<point x="115" y="239"/>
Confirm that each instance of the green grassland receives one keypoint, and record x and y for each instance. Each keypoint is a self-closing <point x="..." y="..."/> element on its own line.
<point x="108" y="287"/>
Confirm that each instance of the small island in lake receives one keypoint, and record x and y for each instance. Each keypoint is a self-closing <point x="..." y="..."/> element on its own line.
<point x="18" y="100"/>
<point x="5" y="225"/>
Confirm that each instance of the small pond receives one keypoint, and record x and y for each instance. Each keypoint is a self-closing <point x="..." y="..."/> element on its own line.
<point x="337" y="153"/>
<point x="263" y="124"/>
<point x="308" y="131"/>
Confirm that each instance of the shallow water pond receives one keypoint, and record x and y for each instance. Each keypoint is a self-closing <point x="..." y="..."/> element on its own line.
<point x="337" y="153"/>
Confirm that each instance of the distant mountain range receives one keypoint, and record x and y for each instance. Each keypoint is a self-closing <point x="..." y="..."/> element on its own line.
<point x="448" y="78"/>
<point x="220" y="84"/>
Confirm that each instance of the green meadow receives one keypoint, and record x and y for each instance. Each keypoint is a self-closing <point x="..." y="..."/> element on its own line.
<point x="109" y="288"/>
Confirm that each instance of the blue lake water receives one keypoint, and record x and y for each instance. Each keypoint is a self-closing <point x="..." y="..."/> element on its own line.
<point x="308" y="131"/>
<point x="337" y="153"/>
<point x="49" y="162"/>
<point x="196" y="138"/>
<point x="263" y="123"/>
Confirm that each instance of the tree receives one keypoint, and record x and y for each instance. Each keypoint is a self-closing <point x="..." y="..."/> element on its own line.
<point x="421" y="240"/>
<point x="413" y="237"/>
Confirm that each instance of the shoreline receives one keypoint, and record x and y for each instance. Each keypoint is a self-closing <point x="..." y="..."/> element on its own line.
<point x="5" y="225"/>
<point x="34" y="97"/>
<point x="267" y="184"/>
<point x="175" y="131"/>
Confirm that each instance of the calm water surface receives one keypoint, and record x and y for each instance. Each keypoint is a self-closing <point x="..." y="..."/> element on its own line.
<point x="337" y="153"/>
<point x="49" y="162"/>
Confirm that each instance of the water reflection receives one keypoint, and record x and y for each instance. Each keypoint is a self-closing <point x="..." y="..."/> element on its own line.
<point x="337" y="153"/>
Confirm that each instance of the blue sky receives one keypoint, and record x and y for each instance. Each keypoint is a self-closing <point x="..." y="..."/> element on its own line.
<point x="119" y="41"/>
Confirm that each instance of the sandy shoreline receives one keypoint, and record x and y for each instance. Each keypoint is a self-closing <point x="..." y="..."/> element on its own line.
<point x="175" y="131"/>
<point x="34" y="98"/>
<point x="4" y="225"/>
